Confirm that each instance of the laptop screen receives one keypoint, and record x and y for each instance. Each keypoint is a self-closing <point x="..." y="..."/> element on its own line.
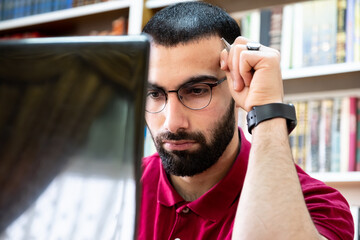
<point x="71" y="136"/>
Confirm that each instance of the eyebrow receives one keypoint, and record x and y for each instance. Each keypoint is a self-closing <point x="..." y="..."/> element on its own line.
<point x="192" y="80"/>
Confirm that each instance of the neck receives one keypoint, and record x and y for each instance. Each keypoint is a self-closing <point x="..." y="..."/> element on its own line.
<point x="191" y="188"/>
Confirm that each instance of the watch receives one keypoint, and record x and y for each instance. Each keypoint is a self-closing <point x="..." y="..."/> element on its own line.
<point x="269" y="111"/>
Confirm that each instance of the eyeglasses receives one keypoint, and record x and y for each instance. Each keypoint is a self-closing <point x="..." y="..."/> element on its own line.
<point x="195" y="96"/>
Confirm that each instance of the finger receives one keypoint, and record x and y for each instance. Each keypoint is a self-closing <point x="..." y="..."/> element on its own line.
<point x="234" y="66"/>
<point x="223" y="60"/>
<point x="248" y="62"/>
<point x="241" y="40"/>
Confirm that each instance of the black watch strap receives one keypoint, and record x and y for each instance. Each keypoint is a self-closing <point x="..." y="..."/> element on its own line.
<point x="269" y="111"/>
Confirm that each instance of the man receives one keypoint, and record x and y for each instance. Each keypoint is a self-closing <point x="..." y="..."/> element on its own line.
<point x="206" y="182"/>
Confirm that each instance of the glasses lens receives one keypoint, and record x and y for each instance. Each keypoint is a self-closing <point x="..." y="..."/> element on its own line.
<point x="195" y="96"/>
<point x="155" y="100"/>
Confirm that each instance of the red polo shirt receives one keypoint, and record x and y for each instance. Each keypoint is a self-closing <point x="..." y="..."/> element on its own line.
<point x="165" y="215"/>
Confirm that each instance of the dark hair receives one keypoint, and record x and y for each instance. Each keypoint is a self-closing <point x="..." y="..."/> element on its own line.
<point x="187" y="21"/>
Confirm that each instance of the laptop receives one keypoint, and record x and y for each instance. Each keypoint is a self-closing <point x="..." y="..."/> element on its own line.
<point x="71" y="136"/>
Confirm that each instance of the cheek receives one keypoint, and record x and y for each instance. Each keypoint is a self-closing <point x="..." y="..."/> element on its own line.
<point x="153" y="122"/>
<point x="206" y="121"/>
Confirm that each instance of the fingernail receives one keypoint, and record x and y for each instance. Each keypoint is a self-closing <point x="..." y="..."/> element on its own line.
<point x="222" y="64"/>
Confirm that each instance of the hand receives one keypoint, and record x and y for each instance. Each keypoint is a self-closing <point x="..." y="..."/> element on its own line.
<point x="254" y="77"/>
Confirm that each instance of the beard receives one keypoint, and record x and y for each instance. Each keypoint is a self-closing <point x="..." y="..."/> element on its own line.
<point x="190" y="163"/>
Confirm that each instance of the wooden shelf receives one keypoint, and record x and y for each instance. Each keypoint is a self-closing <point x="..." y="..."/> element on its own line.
<point x="348" y="183"/>
<point x="322" y="70"/>
<point x="64" y="14"/>
<point x="338" y="177"/>
<point x="343" y="77"/>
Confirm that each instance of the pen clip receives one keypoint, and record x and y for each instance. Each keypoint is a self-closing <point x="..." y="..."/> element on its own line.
<point x="226" y="44"/>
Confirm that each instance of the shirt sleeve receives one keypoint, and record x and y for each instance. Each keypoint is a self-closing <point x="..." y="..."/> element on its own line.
<point x="329" y="210"/>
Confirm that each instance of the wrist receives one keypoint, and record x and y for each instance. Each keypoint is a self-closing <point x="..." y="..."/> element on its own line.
<point x="270" y="127"/>
<point x="266" y="112"/>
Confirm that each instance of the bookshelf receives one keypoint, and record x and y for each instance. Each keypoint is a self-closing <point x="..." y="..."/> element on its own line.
<point x="303" y="83"/>
<point x="79" y="20"/>
<point x="347" y="183"/>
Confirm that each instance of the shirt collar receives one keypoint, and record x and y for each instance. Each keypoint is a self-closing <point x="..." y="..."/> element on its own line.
<point x="220" y="197"/>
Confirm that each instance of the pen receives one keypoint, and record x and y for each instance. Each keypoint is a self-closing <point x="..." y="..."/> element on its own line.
<point x="226" y="44"/>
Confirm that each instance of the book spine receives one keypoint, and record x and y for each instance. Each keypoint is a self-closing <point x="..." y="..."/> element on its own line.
<point x="344" y="134"/>
<point x="314" y="112"/>
<point x="350" y="18"/>
<point x="297" y="50"/>
<point x="357" y="32"/>
<point x="276" y="27"/>
<point x="28" y="7"/>
<point x="352" y="133"/>
<point x="255" y="26"/>
<point x="328" y="136"/>
<point x="324" y="138"/>
<point x="301" y="134"/>
<point x="310" y="41"/>
<point x="1" y="10"/>
<point x="357" y="168"/>
<point x="286" y="37"/>
<point x="326" y="10"/>
<point x="265" y="21"/>
<point x="8" y="14"/>
<point x="69" y="4"/>
<point x="293" y="138"/>
<point x="341" y="31"/>
<point x="335" y="136"/>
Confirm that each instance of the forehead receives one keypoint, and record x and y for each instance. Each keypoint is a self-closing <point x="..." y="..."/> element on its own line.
<point x="172" y="66"/>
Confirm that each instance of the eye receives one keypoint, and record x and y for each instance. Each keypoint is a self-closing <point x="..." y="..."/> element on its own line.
<point x="196" y="90"/>
<point x="155" y="94"/>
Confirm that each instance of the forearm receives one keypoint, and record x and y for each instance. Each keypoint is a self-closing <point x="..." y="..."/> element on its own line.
<point x="271" y="204"/>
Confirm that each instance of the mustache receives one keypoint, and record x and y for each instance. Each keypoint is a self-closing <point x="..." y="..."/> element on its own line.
<point x="180" y="136"/>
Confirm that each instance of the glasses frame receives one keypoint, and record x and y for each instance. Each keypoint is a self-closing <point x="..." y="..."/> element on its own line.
<point x="211" y="85"/>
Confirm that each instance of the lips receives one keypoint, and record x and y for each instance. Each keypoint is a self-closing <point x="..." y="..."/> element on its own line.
<point x="178" y="145"/>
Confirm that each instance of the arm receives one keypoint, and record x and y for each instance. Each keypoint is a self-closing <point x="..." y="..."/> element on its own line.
<point x="271" y="204"/>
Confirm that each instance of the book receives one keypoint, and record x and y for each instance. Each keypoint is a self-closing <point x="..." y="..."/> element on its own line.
<point x="286" y="37"/>
<point x="276" y="27"/>
<point x="325" y="135"/>
<point x="301" y="131"/>
<point x="119" y="26"/>
<point x="250" y="25"/>
<point x="310" y="36"/>
<point x="357" y="167"/>
<point x="293" y="137"/>
<point x="265" y="23"/>
<point x="352" y="132"/>
<point x="344" y="134"/>
<point x="326" y="23"/>
<point x="298" y="28"/>
<point x="341" y="31"/>
<point x="357" y="31"/>
<point x="314" y="114"/>
<point x="335" y="135"/>
<point x="350" y="19"/>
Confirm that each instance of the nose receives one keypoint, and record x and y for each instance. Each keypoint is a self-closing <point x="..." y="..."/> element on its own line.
<point x="175" y="114"/>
